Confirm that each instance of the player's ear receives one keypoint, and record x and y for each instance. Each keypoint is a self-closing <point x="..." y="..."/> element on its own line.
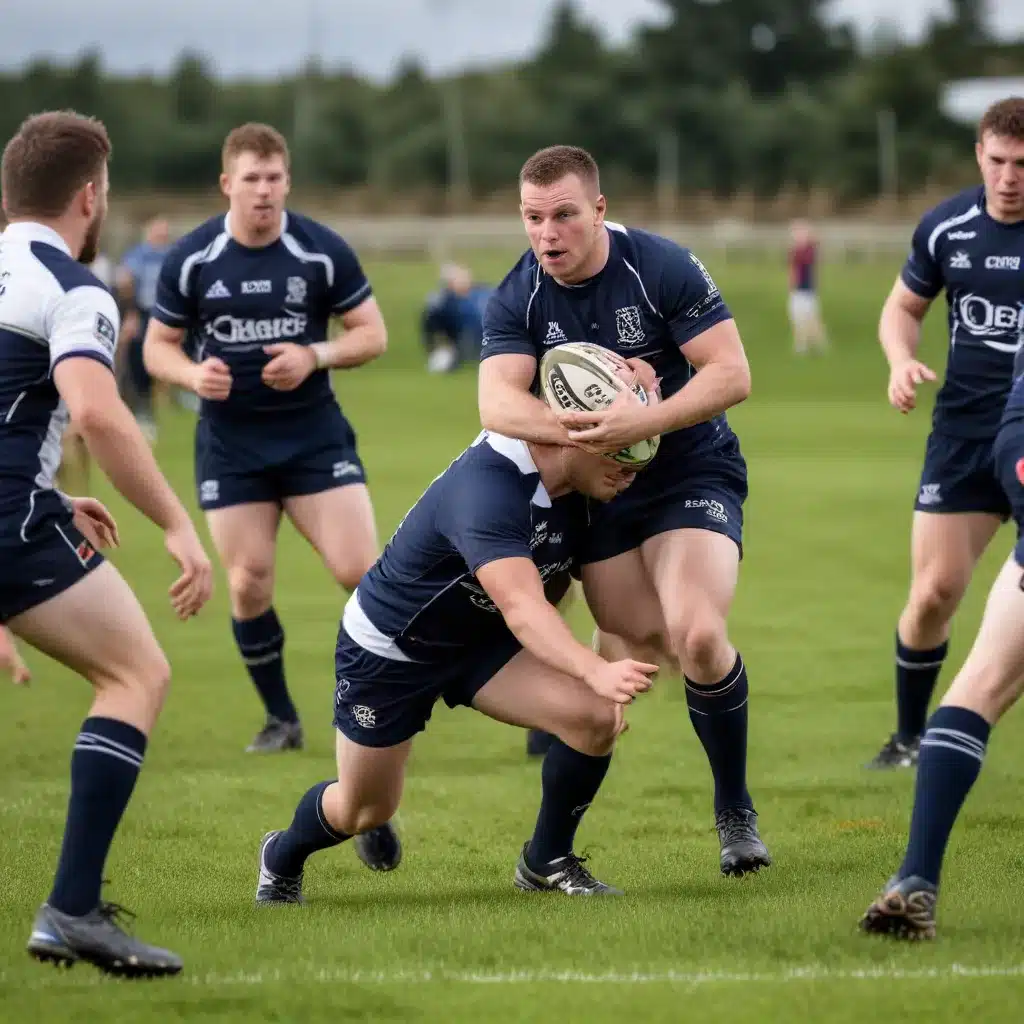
<point x="978" y="150"/>
<point x="225" y="183"/>
<point x="600" y="207"/>
<point x="87" y="198"/>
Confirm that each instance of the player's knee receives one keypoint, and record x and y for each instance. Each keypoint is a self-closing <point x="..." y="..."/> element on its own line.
<point x="348" y="572"/>
<point x="936" y="595"/>
<point x="698" y="640"/>
<point x="251" y="585"/>
<point x="594" y="728"/>
<point x="143" y="678"/>
<point x="353" y="819"/>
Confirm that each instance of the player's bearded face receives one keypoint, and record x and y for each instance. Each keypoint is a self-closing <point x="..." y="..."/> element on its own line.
<point x="1001" y="160"/>
<point x="91" y="245"/>
<point x="564" y="224"/>
<point x="257" y="188"/>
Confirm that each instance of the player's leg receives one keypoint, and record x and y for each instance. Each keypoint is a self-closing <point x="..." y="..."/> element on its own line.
<point x="361" y="801"/>
<point x="97" y="628"/>
<point x="798" y="323"/>
<point x="952" y="751"/>
<point x="528" y="693"/>
<point x="340" y="525"/>
<point x="694" y="572"/>
<point x="245" y="537"/>
<point x="945" y="548"/>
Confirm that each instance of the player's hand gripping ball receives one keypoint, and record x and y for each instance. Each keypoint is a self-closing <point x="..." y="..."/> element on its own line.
<point x="581" y="377"/>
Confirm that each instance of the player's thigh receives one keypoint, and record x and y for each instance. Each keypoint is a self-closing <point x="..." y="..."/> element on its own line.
<point x="245" y="536"/>
<point x="693" y="571"/>
<point x="946" y="547"/>
<point x="992" y="676"/>
<point x="531" y="694"/>
<point x="621" y="596"/>
<point x="370" y="783"/>
<point x="340" y="525"/>
<point x="97" y="628"/>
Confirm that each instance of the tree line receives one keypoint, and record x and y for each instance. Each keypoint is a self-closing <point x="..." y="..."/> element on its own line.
<point x="723" y="97"/>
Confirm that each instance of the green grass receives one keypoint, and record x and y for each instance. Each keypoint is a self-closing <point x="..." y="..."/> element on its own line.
<point x="833" y="473"/>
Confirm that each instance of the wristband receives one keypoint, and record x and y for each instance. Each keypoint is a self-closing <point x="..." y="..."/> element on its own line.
<point x="319" y="354"/>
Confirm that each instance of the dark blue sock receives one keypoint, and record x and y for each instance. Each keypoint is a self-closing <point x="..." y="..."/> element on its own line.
<point x="952" y="750"/>
<point x="719" y="716"/>
<point x="261" y="643"/>
<point x="569" y="782"/>
<point x="308" y="832"/>
<point x="104" y="766"/>
<point x="916" y="675"/>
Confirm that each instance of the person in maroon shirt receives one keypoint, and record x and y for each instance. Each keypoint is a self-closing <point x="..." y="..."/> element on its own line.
<point x="804" y="310"/>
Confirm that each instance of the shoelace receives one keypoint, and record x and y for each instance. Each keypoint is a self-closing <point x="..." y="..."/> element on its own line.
<point x="115" y="914"/>
<point x="577" y="874"/>
<point x="288" y="886"/>
<point x="733" y="826"/>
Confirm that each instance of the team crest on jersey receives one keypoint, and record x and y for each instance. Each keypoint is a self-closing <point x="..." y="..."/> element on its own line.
<point x="555" y="335"/>
<point x="295" y="291"/>
<point x="105" y="330"/>
<point x="629" y="325"/>
<point x="959" y="261"/>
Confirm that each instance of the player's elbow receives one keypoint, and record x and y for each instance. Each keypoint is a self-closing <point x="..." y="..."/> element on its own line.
<point x="91" y="417"/>
<point x="378" y="343"/>
<point x="739" y="381"/>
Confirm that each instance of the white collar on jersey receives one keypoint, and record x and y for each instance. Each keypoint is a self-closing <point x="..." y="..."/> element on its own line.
<point x="227" y="223"/>
<point x="32" y="231"/>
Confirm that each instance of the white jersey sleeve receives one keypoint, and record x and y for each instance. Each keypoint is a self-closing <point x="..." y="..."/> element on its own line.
<point x="83" y="322"/>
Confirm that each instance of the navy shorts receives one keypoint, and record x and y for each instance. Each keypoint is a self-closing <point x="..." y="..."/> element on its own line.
<point x="959" y="475"/>
<point x="1007" y="451"/>
<point x="53" y="558"/>
<point x="381" y="703"/>
<point x="239" y="461"/>
<point x="704" y="492"/>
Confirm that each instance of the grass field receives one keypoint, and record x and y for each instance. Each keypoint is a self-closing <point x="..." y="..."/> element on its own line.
<point x="833" y="472"/>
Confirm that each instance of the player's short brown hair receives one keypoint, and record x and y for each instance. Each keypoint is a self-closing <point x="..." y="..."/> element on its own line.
<point x="549" y="165"/>
<point x="261" y="139"/>
<point x="52" y="156"/>
<point x="1005" y="118"/>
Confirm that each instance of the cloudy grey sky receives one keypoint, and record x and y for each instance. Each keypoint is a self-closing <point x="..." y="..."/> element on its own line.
<point x="266" y="37"/>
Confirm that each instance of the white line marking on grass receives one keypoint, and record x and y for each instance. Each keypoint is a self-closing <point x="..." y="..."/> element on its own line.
<point x="339" y="976"/>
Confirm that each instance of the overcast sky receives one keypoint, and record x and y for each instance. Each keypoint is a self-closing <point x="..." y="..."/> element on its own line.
<point x="267" y="37"/>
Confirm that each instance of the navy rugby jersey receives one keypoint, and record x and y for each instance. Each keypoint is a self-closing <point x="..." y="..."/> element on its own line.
<point x="651" y="298"/>
<point x="980" y="263"/>
<point x="51" y="307"/>
<point x="421" y="601"/>
<point x="235" y="299"/>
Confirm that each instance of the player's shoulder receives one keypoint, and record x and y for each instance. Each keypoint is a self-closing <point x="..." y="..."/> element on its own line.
<point x="647" y="251"/>
<point x="498" y="463"/>
<point x="200" y="239"/>
<point x="520" y="283"/>
<point x="313" y="235"/>
<point x="58" y="273"/>
<point x="957" y="209"/>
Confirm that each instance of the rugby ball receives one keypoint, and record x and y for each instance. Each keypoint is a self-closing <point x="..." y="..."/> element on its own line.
<point x="582" y="377"/>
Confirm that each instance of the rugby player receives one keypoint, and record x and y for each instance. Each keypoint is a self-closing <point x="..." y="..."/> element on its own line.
<point x="803" y="307"/>
<point x="955" y="738"/>
<point x="58" y="329"/>
<point x="971" y="246"/>
<point x="460" y="606"/>
<point x="258" y="288"/>
<point x="662" y="561"/>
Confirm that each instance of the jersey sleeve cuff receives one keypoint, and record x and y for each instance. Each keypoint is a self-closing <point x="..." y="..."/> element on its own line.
<point x="705" y="323"/>
<point x="512" y="551"/>
<point x="169" y="318"/>
<point x="83" y="353"/>
<point x="924" y="289"/>
<point x="353" y="300"/>
<point x="507" y="348"/>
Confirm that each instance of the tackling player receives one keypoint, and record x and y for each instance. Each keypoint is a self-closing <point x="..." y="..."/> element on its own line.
<point x="259" y="287"/>
<point x="662" y="561"/>
<point x="955" y="739"/>
<point x="58" y="329"/>
<point x="971" y="246"/>
<point x="460" y="606"/>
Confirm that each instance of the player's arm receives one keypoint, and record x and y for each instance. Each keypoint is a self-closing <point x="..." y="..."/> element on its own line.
<point x="515" y="587"/>
<point x="83" y="330"/>
<point x="365" y="338"/>
<point x="722" y="380"/>
<point x="899" y="326"/>
<point x="508" y="366"/>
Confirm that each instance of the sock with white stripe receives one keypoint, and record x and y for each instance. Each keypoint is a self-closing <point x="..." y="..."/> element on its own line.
<point x="719" y="716"/>
<point x="261" y="644"/>
<point x="952" y="751"/>
<point x="916" y="675"/>
<point x="309" y="832"/>
<point x="104" y="766"/>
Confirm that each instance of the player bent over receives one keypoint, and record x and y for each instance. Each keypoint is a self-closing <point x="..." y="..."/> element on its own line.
<point x="461" y="605"/>
<point x="953" y="746"/>
<point x="58" y="329"/>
